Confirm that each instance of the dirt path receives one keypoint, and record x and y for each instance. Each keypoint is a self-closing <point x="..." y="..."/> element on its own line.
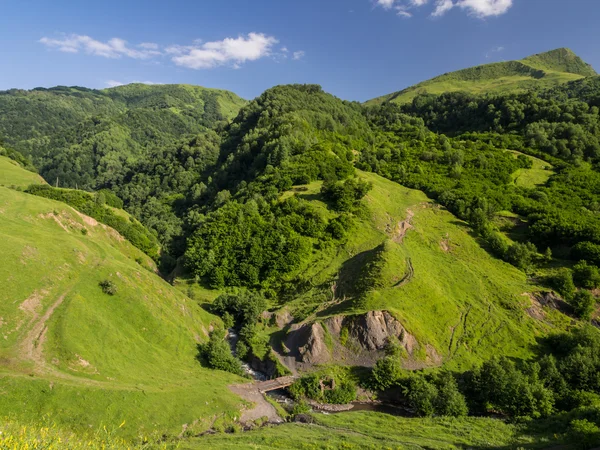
<point x="262" y="408"/>
<point x="31" y="346"/>
<point x="31" y="349"/>
<point x="403" y="227"/>
<point x="408" y="275"/>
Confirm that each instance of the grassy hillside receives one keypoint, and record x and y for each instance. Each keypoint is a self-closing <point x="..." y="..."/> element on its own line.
<point x="446" y="290"/>
<point x="538" y="71"/>
<point x="83" y="357"/>
<point x="12" y="174"/>
<point x="365" y="430"/>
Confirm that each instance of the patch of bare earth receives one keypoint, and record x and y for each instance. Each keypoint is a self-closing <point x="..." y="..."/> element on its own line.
<point x="31" y="346"/>
<point x="87" y="219"/>
<point x="445" y="244"/>
<point x="262" y="408"/>
<point x="403" y="227"/>
<point x="32" y="304"/>
<point x="28" y="253"/>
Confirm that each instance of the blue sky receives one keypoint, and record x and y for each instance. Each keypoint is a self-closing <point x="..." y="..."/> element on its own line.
<point x="356" y="49"/>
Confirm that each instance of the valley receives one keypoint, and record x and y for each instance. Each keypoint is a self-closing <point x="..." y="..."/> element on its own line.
<point x="437" y="250"/>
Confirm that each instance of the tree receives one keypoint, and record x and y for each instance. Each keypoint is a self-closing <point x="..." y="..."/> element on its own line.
<point x="422" y="396"/>
<point x="563" y="283"/>
<point x="583" y="303"/>
<point x="586" y="275"/>
<point x="217" y="354"/>
<point x="450" y="401"/>
<point x="386" y="373"/>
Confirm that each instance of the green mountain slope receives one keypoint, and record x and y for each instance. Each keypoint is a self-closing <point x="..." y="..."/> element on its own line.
<point x="538" y="71"/>
<point x="83" y="357"/>
<point x="27" y="118"/>
<point x="459" y="303"/>
<point x="13" y="175"/>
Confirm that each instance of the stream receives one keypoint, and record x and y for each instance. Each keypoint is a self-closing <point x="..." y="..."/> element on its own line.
<point x="233" y="338"/>
<point x="282" y="396"/>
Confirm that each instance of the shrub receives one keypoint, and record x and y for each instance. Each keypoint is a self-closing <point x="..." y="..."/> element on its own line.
<point x="386" y="373"/>
<point x="584" y="433"/>
<point x="216" y="354"/>
<point x="583" y="303"/>
<point x="450" y="401"/>
<point x="586" y="275"/>
<point x="108" y="287"/>
<point x="422" y="396"/>
<point x="563" y="283"/>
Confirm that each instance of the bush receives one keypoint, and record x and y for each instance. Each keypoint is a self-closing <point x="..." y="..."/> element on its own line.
<point x="244" y="307"/>
<point x="422" y="396"/>
<point x="586" y="251"/>
<point x="386" y="373"/>
<point x="450" y="401"/>
<point x="586" y="275"/>
<point x="584" y="433"/>
<point x="563" y="283"/>
<point x="583" y="303"/>
<point x="216" y="354"/>
<point x="108" y="287"/>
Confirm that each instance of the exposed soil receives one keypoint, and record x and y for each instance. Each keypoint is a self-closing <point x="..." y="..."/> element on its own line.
<point x="32" y="304"/>
<point x="87" y="219"/>
<point x="403" y="227"/>
<point x="262" y="408"/>
<point x="353" y="340"/>
<point x="31" y="346"/>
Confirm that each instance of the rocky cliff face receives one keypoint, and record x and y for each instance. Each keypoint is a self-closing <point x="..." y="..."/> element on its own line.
<point x="353" y="340"/>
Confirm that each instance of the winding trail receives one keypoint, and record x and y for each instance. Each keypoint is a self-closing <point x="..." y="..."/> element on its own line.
<point x="31" y="349"/>
<point x="262" y="408"/>
<point x="403" y="227"/>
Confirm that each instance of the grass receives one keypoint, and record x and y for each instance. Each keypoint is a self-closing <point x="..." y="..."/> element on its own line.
<point x="546" y="70"/>
<point x="463" y="302"/>
<point x="538" y="175"/>
<point x="12" y="174"/>
<point x="368" y="430"/>
<point x="103" y="359"/>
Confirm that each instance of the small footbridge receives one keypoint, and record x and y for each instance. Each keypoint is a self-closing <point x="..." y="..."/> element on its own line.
<point x="277" y="383"/>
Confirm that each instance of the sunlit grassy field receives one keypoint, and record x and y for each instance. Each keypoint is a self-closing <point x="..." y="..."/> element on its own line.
<point x="12" y="174"/>
<point x="86" y="358"/>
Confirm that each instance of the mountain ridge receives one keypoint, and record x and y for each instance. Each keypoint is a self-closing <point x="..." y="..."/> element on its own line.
<point x="545" y="69"/>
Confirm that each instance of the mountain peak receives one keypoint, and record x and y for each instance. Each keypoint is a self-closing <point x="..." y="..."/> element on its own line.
<point x="561" y="60"/>
<point x="543" y="70"/>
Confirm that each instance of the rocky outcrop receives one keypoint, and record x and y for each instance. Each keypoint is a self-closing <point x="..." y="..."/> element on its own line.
<point x="308" y="344"/>
<point x="350" y="340"/>
<point x="373" y="330"/>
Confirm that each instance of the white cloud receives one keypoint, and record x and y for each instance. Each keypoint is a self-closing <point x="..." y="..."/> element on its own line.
<point x="299" y="55"/>
<point x="442" y="7"/>
<point x="485" y="8"/>
<point x="387" y="4"/>
<point x="149" y="45"/>
<point x="477" y="8"/>
<point x="233" y="51"/>
<point x="113" y="48"/>
<point x="491" y="51"/>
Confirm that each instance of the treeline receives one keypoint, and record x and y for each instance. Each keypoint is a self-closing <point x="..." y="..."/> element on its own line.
<point x="560" y="385"/>
<point x="562" y="122"/>
<point x="95" y="206"/>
